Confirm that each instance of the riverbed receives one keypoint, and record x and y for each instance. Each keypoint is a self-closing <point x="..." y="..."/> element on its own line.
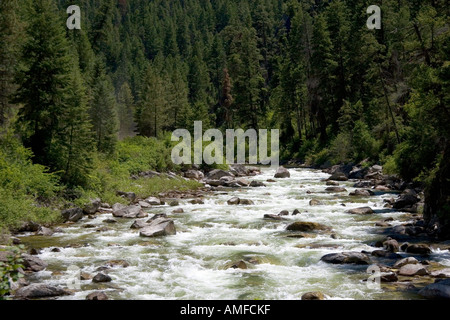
<point x="194" y="263"/>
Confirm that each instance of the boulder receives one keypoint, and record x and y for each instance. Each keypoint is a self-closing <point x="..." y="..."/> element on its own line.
<point x="194" y="174"/>
<point x="295" y="212"/>
<point x="97" y="295"/>
<point x="422" y="249"/>
<point x="385" y="254"/>
<point x="361" y="210"/>
<point x="315" y="202"/>
<point x="241" y="264"/>
<point x="338" y="176"/>
<point x="134" y="211"/>
<point x="282" y="172"/>
<point x="413" y="270"/>
<point x="443" y="273"/>
<point x="363" y="184"/>
<point x="437" y="290"/>
<point x="256" y="183"/>
<point x="273" y="217"/>
<point x="346" y="258"/>
<point x="239" y="170"/>
<point x="216" y="174"/>
<point x="117" y="263"/>
<point x="43" y="231"/>
<point x="358" y="173"/>
<point x="246" y="202"/>
<point x="236" y="201"/>
<point x="153" y="201"/>
<point x="138" y="224"/>
<point x="316" y="295"/>
<point x="72" y="214"/>
<point x="144" y="204"/>
<point x="33" y="263"/>
<point x="110" y="221"/>
<point x="332" y="183"/>
<point x="158" y="227"/>
<point x="361" y="192"/>
<point x="283" y="213"/>
<point x="306" y="226"/>
<point x="178" y="210"/>
<point x="101" y="277"/>
<point x="405" y="200"/>
<point x="92" y="207"/>
<point x="174" y="203"/>
<point x="402" y="262"/>
<point x="131" y="196"/>
<point x="335" y="189"/>
<point x="40" y="290"/>
<point x="391" y="245"/>
<point x="389" y="277"/>
<point x="242" y="182"/>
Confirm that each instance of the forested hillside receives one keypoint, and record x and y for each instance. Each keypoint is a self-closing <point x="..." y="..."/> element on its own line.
<point x="338" y="92"/>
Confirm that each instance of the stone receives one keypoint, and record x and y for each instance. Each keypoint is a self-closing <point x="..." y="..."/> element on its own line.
<point x="196" y="201"/>
<point x="84" y="276"/>
<point x="361" y="210"/>
<point x="346" y="258"/>
<point x="144" y="204"/>
<point x="241" y="264"/>
<point x="422" y="249"/>
<point x="72" y="214"/>
<point x="385" y="254"/>
<point x="306" y="226"/>
<point x="242" y="182"/>
<point x="97" y="295"/>
<point x="216" y="174"/>
<point x="92" y="207"/>
<point x="109" y="221"/>
<point x="174" y="203"/>
<point x="153" y="201"/>
<point x="295" y="212"/>
<point x="335" y="189"/>
<point x="40" y="290"/>
<point x="101" y="277"/>
<point x="158" y="227"/>
<point x="437" y="290"/>
<point x="273" y="217"/>
<point x="131" y="196"/>
<point x="117" y="263"/>
<point x="56" y="250"/>
<point x="239" y="170"/>
<point x="382" y="224"/>
<point x="133" y="211"/>
<point x="245" y="202"/>
<point x="271" y="180"/>
<point x="194" y="174"/>
<point x="283" y="213"/>
<point x="138" y="224"/>
<point x="43" y="231"/>
<point x="282" y="172"/>
<point x="412" y="270"/>
<point x="256" y="183"/>
<point x="332" y="183"/>
<point x="338" y="176"/>
<point x="315" y="202"/>
<point x="391" y="245"/>
<point x="389" y="277"/>
<point x="402" y="262"/>
<point x="178" y="210"/>
<point x="361" y="192"/>
<point x="316" y="295"/>
<point x="33" y="263"/>
<point x="443" y="273"/>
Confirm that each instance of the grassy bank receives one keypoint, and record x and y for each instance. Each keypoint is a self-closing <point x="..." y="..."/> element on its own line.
<point x="28" y="192"/>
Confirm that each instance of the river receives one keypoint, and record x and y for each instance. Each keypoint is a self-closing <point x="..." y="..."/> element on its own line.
<point x="193" y="263"/>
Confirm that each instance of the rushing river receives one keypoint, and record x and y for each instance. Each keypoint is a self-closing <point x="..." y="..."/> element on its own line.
<point x="193" y="263"/>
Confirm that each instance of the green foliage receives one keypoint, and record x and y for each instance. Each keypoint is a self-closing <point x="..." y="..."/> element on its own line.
<point x="9" y="270"/>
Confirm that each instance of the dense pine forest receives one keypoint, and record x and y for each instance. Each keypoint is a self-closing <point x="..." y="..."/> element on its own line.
<point x="82" y="110"/>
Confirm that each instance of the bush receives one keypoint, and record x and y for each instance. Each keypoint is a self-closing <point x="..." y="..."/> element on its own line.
<point x="341" y="148"/>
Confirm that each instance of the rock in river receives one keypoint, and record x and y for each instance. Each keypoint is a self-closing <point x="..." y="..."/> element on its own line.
<point x="97" y="295"/>
<point x="158" y="227"/>
<point x="306" y="226"/>
<point x="236" y="201"/>
<point x="40" y="290"/>
<point x="72" y="214"/>
<point x="346" y="258"/>
<point x="101" y="277"/>
<point x="282" y="172"/>
<point x="413" y="270"/>
<point x="361" y="210"/>
<point x="418" y="249"/>
<point x="316" y="295"/>
<point x="335" y="189"/>
<point x="437" y="290"/>
<point x="405" y="261"/>
<point x="134" y="211"/>
<point x="33" y="263"/>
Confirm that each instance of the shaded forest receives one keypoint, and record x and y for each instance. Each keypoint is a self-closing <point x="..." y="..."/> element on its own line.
<point x="338" y="92"/>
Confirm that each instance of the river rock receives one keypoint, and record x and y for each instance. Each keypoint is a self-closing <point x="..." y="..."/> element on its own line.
<point x="134" y="211"/>
<point x="273" y="217"/>
<point x="437" y="290"/>
<point x="332" y="183"/>
<point x="295" y="212"/>
<point x="361" y="210"/>
<point x="282" y="172"/>
<point x="33" y="263"/>
<point x="131" y="196"/>
<point x="363" y="184"/>
<point x="43" y="231"/>
<point x="236" y="201"/>
<point x="72" y="214"/>
<point x="306" y="226"/>
<point x="405" y="200"/>
<point x="242" y="182"/>
<point x="358" y="173"/>
<point x="443" y="273"/>
<point x="335" y="189"/>
<point x="194" y="174"/>
<point x="101" y="277"/>
<point x="40" y="290"/>
<point x="338" y="176"/>
<point x="385" y="254"/>
<point x="92" y="207"/>
<point x="174" y="203"/>
<point x="239" y="170"/>
<point x="153" y="201"/>
<point x="241" y="264"/>
<point x="389" y="277"/>
<point x="316" y="295"/>
<point x="117" y="263"/>
<point x="283" y="213"/>
<point x="245" y="202"/>
<point x="422" y="249"/>
<point x="178" y="210"/>
<point x="391" y="245"/>
<point x="158" y="227"/>
<point x="315" y="202"/>
<point x="138" y="224"/>
<point x="361" y="192"/>
<point x="256" y="183"/>
<point x="413" y="270"/>
<point x="216" y="174"/>
<point x="405" y="261"/>
<point x="109" y="221"/>
<point x="97" y="295"/>
<point x="346" y="258"/>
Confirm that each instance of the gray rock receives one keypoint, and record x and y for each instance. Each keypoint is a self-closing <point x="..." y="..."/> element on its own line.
<point x="338" y="176"/>
<point x="391" y="245"/>
<point x="389" y="277"/>
<point x="194" y="174"/>
<point x="405" y="261"/>
<point x="361" y="192"/>
<point x="33" y="263"/>
<point x="295" y="212"/>
<point x="97" y="295"/>
<point x="138" y="224"/>
<point x="153" y="201"/>
<point x="283" y="213"/>
<point x="174" y="203"/>
<point x="346" y="258"/>
<point x="245" y="202"/>
<point x="315" y="202"/>
<point x="335" y="189"/>
<point x="361" y="210"/>
<point x="101" y="277"/>
<point x="422" y="249"/>
<point x="43" y="231"/>
<point x="216" y="174"/>
<point x="332" y="183"/>
<point x="233" y="201"/>
<point x="316" y="295"/>
<point x="72" y="214"/>
<point x="178" y="210"/>
<point x="412" y="270"/>
<point x="256" y="183"/>
<point x="443" y="273"/>
<point x="273" y="217"/>
<point x="92" y="207"/>
<point x="242" y="182"/>
<point x="40" y="290"/>
<point x="158" y="227"/>
<point x="131" y="196"/>
<point x="134" y="211"/>
<point x="282" y="172"/>
<point x="236" y="201"/>
<point x="404" y="201"/>
<point x="144" y="204"/>
<point x="437" y="290"/>
<point x="306" y="226"/>
<point x="239" y="170"/>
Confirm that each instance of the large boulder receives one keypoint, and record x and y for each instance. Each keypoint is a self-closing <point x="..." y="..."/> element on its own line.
<point x="358" y="173"/>
<point x="256" y="183"/>
<point x="282" y="172"/>
<point x="413" y="270"/>
<point x="361" y="193"/>
<point x="338" y="176"/>
<point x="346" y="258"/>
<point x="391" y="245"/>
<point x="335" y="189"/>
<point x="33" y="263"/>
<point x="437" y="290"/>
<point x="405" y="200"/>
<point x="44" y="231"/>
<point x="134" y="211"/>
<point x="72" y="214"/>
<point x="216" y="174"/>
<point x="306" y="226"/>
<point x="40" y="290"/>
<point x="194" y="174"/>
<point x="239" y="170"/>
<point x="422" y="249"/>
<point x="92" y="206"/>
<point x="402" y="262"/>
<point x="159" y="227"/>
<point x="361" y="210"/>
<point x="101" y="277"/>
<point x="153" y="201"/>
<point x="131" y="196"/>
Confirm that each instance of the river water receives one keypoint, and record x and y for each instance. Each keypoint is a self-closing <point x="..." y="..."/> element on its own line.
<point x="193" y="263"/>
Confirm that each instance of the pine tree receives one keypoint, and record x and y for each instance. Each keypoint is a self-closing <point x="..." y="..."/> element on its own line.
<point x="125" y="104"/>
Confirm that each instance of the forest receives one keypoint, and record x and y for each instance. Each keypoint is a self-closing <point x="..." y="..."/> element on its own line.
<point x="82" y="110"/>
